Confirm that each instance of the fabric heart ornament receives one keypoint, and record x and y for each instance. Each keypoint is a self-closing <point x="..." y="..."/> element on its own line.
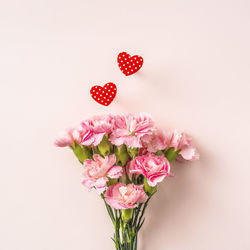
<point x="129" y="64"/>
<point x="104" y="95"/>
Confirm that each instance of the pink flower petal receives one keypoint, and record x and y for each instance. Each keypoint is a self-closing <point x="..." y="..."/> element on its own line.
<point x="115" y="172"/>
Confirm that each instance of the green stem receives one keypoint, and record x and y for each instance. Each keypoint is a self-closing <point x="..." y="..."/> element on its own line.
<point x="117" y="231"/>
<point x="110" y="211"/>
<point x="142" y="213"/>
<point x="126" y="232"/>
<point x="135" y="244"/>
<point x="137" y="211"/>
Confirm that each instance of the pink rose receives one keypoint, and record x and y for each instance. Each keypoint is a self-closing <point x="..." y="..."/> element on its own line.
<point x="93" y="130"/>
<point x="128" y="129"/>
<point x="182" y="141"/>
<point x="154" y="168"/>
<point x="97" y="172"/>
<point x="122" y="196"/>
<point x="67" y="137"/>
<point x="156" y="141"/>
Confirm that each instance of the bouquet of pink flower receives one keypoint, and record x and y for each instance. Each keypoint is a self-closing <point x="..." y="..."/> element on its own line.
<point x="124" y="158"/>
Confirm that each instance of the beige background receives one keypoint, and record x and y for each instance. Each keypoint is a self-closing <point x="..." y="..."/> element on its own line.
<point x="195" y="77"/>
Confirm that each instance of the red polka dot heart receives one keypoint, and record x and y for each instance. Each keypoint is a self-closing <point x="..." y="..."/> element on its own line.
<point x="104" y="95"/>
<point x="129" y="64"/>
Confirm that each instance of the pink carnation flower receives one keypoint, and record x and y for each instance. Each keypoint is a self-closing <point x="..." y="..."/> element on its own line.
<point x="67" y="137"/>
<point x="122" y="196"/>
<point x="183" y="142"/>
<point x="156" y="141"/>
<point x="154" y="168"/>
<point x="129" y="129"/>
<point x="97" y="172"/>
<point x="92" y="130"/>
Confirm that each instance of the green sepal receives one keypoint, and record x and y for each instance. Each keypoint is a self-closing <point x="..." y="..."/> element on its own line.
<point x="127" y="214"/>
<point x="111" y="182"/>
<point x="82" y="152"/>
<point x="96" y="151"/>
<point x="104" y="146"/>
<point x="133" y="152"/>
<point x="159" y="153"/>
<point x="148" y="189"/>
<point x="121" y="154"/>
<point x="171" y="154"/>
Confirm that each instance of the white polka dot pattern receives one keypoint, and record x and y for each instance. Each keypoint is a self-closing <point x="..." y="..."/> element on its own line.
<point x="129" y="64"/>
<point x="104" y="95"/>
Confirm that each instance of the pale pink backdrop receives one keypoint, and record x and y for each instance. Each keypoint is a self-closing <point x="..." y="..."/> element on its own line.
<point x="195" y="77"/>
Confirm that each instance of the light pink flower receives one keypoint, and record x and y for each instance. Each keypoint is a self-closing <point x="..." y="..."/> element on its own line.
<point x="156" y="141"/>
<point x="97" y="172"/>
<point x="128" y="129"/>
<point x="188" y="151"/>
<point x="154" y="168"/>
<point x="92" y="130"/>
<point x="182" y="141"/>
<point x="68" y="137"/>
<point x="122" y="196"/>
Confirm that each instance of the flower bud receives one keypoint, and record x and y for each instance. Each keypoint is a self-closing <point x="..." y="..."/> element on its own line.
<point x="104" y="146"/>
<point x="127" y="215"/>
<point x="133" y="152"/>
<point x="121" y="155"/>
<point x="82" y="152"/>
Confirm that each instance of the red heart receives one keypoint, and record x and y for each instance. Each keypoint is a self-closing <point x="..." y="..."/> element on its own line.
<point x="129" y="65"/>
<point x="104" y="95"/>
